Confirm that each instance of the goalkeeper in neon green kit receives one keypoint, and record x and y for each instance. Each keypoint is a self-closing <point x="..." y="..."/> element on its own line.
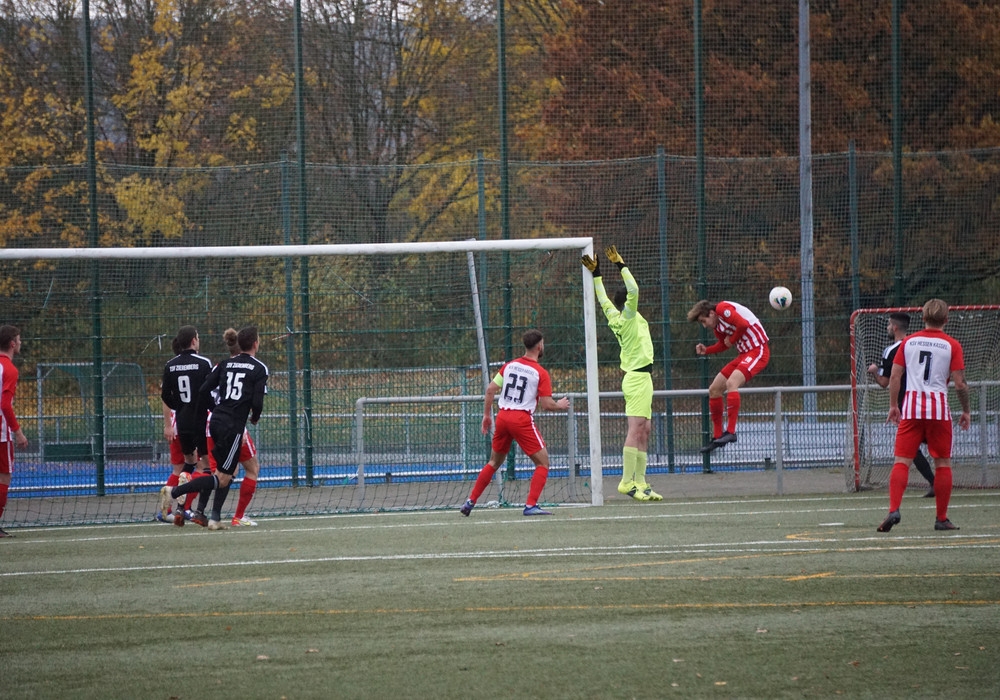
<point x="636" y="344"/>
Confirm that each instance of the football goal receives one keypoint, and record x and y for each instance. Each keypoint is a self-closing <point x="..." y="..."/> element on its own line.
<point x="976" y="453"/>
<point x="378" y="323"/>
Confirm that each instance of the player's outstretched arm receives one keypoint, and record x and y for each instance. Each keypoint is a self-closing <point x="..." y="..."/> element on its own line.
<point x="550" y="404"/>
<point x="593" y="264"/>
<point x="612" y="253"/>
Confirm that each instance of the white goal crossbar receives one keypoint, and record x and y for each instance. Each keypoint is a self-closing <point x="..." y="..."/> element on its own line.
<point x="584" y="245"/>
<point x="268" y="251"/>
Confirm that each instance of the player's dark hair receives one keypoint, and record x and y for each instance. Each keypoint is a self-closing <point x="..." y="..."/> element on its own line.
<point x="232" y="340"/>
<point x="620" y="298"/>
<point x="8" y="334"/>
<point x="531" y="338"/>
<point x="175" y="345"/>
<point x="247" y="337"/>
<point x="186" y="336"/>
<point x="900" y="319"/>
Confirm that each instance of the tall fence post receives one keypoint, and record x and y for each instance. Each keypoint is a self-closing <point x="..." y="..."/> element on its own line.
<point x="571" y="448"/>
<point x="779" y="444"/>
<point x="984" y="443"/>
<point x="661" y="186"/>
<point x="359" y="446"/>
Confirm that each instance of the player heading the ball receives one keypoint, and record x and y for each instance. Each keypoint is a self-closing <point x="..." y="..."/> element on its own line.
<point x="733" y="325"/>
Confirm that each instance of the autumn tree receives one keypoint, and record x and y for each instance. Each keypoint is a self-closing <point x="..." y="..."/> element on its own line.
<point x="626" y="77"/>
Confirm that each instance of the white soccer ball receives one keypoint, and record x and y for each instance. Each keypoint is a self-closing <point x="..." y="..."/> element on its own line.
<point x="781" y="298"/>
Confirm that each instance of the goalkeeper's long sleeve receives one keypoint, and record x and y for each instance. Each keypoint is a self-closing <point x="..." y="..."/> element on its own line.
<point x="632" y="288"/>
<point x="607" y="306"/>
<point x="628" y="325"/>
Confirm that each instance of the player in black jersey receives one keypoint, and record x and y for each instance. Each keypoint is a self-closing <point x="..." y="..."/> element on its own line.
<point x="183" y="376"/>
<point x="241" y="382"/>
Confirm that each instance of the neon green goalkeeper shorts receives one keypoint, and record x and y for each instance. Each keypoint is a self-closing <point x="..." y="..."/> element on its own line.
<point x="638" y="390"/>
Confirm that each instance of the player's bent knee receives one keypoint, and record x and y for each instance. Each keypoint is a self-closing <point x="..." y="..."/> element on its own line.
<point x="251" y="467"/>
<point x="736" y="381"/>
<point x="540" y="458"/>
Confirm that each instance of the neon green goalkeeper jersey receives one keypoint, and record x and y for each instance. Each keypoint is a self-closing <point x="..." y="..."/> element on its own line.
<point x="628" y="324"/>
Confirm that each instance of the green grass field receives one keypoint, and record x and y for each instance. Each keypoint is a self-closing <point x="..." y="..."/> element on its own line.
<point x="753" y="597"/>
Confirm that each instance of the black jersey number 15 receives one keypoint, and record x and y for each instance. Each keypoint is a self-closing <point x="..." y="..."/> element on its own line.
<point x="234" y="385"/>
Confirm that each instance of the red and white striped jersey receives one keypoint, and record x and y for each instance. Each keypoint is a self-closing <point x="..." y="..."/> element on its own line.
<point x="740" y="325"/>
<point x="521" y="382"/>
<point x="929" y="356"/>
<point x="8" y="381"/>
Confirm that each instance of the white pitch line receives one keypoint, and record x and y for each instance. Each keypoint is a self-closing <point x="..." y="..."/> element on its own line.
<point x="646" y="515"/>
<point x="882" y="499"/>
<point x="712" y="549"/>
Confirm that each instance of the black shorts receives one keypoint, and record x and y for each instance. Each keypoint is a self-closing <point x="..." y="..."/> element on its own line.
<point x="226" y="449"/>
<point x="192" y="442"/>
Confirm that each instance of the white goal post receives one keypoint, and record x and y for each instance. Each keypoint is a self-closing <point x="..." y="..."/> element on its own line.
<point x="581" y="246"/>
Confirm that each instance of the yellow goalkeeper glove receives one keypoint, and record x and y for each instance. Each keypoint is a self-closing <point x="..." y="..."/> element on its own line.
<point x="612" y="253"/>
<point x="593" y="264"/>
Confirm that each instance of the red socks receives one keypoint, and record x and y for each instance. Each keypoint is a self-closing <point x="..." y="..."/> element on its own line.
<point x="537" y="484"/>
<point x="942" y="491"/>
<point x="942" y="488"/>
<point x="482" y="481"/>
<point x="715" y="412"/>
<point x="732" y="410"/>
<point x="5" y="487"/>
<point x="247" y="488"/>
<point x="538" y="480"/>
<point x="897" y="484"/>
<point x="732" y="404"/>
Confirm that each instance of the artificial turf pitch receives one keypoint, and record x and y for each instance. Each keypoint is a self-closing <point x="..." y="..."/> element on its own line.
<point x="758" y="597"/>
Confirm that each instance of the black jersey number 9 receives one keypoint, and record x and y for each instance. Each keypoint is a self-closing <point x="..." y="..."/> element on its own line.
<point x="516" y="383"/>
<point x="234" y="385"/>
<point x="184" y="388"/>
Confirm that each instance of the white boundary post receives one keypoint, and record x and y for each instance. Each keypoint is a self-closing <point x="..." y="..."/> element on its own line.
<point x="484" y="362"/>
<point x="593" y="388"/>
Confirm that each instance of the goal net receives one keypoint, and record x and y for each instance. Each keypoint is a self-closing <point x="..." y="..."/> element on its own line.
<point x="976" y="454"/>
<point x="378" y="355"/>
